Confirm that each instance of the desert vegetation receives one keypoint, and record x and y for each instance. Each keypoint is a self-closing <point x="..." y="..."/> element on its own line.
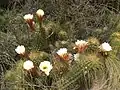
<point x="60" y="45"/>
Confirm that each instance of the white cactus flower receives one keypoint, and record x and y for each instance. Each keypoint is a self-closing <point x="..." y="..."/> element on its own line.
<point x="62" y="51"/>
<point x="63" y="54"/>
<point x="40" y="12"/>
<point x="28" y="65"/>
<point x="28" y="17"/>
<point x="46" y="67"/>
<point x="81" y="43"/>
<point x="105" y="47"/>
<point x="20" y="49"/>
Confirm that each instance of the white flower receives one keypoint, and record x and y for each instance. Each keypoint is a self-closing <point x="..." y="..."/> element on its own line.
<point x="105" y="47"/>
<point x="46" y="67"/>
<point x="81" y="43"/>
<point x="76" y="56"/>
<point x="62" y="51"/>
<point x="28" y="17"/>
<point x="40" y="12"/>
<point x="28" y="65"/>
<point x="20" y="49"/>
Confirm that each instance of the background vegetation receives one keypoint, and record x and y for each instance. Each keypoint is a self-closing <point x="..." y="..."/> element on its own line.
<point x="70" y="20"/>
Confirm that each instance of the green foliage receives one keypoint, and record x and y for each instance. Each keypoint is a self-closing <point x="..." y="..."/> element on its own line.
<point x="15" y="77"/>
<point x="115" y="39"/>
<point x="81" y="74"/>
<point x="112" y="70"/>
<point x="38" y="56"/>
<point x="93" y="44"/>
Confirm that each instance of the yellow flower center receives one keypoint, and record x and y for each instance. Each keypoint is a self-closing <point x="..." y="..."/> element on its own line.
<point x="44" y="67"/>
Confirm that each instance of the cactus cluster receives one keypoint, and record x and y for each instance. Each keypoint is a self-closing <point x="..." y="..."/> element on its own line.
<point x="51" y="60"/>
